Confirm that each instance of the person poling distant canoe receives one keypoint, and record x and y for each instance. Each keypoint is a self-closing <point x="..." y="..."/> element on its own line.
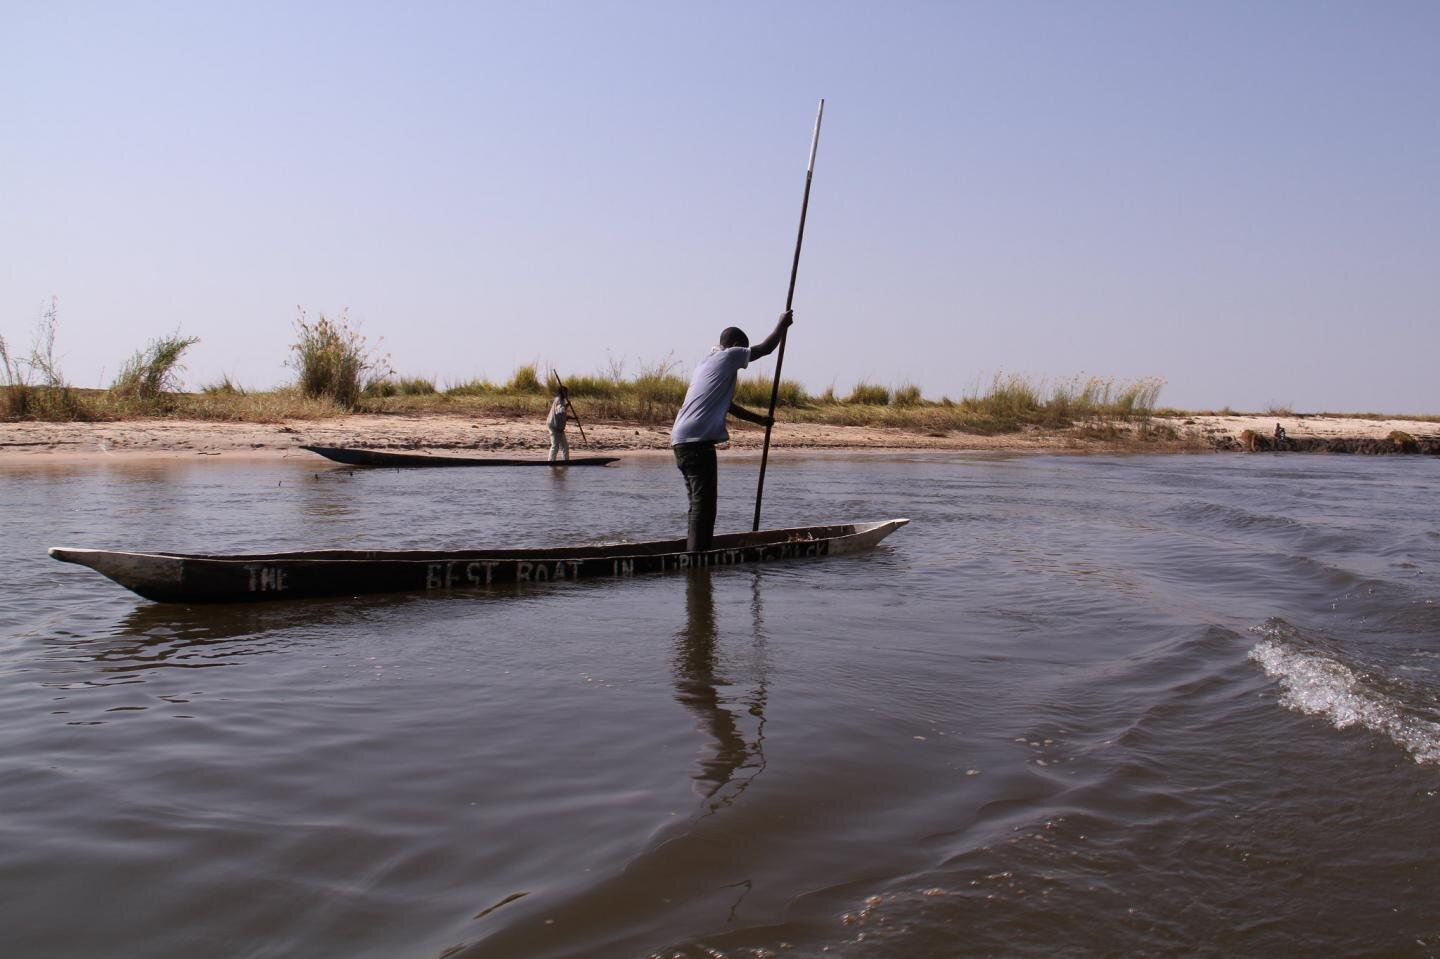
<point x="555" y="421"/>
<point x="700" y="424"/>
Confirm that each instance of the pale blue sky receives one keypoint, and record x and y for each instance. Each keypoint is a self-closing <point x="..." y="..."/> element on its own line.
<point x="1240" y="198"/>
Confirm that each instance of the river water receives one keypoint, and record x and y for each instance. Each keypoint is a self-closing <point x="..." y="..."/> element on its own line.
<point x="1150" y="705"/>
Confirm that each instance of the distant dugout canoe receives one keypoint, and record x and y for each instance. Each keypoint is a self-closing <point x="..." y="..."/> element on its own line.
<point x="353" y="457"/>
<point x="195" y="578"/>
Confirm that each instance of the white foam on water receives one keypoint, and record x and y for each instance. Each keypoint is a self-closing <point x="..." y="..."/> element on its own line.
<point x="1319" y="686"/>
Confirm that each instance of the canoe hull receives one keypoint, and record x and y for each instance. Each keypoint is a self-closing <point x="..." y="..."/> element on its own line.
<point x="186" y="578"/>
<point x="352" y="457"/>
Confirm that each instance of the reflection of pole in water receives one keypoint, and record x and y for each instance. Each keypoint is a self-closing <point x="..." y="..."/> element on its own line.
<point x="762" y="665"/>
<point x="697" y="680"/>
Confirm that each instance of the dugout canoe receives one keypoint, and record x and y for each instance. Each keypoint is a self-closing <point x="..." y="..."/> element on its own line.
<point x="198" y="578"/>
<point x="353" y="457"/>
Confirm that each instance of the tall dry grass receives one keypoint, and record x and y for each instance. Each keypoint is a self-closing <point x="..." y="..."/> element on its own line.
<point x="224" y="386"/>
<point x="400" y="386"/>
<point x="653" y="394"/>
<point x="248" y="406"/>
<point x="34" y="386"/>
<point x="906" y="396"/>
<point x="252" y="406"/>
<point x="339" y="371"/>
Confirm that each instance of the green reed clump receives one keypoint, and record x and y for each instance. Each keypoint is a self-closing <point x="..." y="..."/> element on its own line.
<point x="868" y="394"/>
<point x="906" y="396"/>
<point x="755" y="391"/>
<point x="1011" y="399"/>
<point x="1014" y="401"/>
<point x="660" y="389"/>
<point x="599" y="387"/>
<point x="333" y="360"/>
<point x="149" y="374"/>
<point x="1137" y="400"/>
<point x="660" y="384"/>
<point x="525" y="379"/>
<point x="1070" y="398"/>
<point x="792" y="394"/>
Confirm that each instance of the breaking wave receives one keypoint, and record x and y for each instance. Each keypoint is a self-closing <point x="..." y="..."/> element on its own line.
<point x="1315" y="681"/>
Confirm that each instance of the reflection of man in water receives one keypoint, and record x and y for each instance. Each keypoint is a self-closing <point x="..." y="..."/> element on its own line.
<point x="696" y="679"/>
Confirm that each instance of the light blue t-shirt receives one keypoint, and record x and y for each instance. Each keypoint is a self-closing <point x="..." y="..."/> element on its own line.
<point x="712" y="390"/>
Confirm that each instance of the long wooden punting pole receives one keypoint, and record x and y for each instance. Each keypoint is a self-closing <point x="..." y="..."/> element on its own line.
<point x="789" y="300"/>
<point x="561" y="383"/>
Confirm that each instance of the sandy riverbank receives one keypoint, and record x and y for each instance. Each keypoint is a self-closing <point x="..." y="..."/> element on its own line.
<point x="26" y="441"/>
<point x="1214" y="428"/>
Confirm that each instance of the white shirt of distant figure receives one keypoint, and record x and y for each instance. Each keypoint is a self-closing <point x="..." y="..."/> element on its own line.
<point x="555" y="422"/>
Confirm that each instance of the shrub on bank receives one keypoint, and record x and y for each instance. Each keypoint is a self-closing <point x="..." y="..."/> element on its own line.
<point x="333" y="361"/>
<point x="1404" y="442"/>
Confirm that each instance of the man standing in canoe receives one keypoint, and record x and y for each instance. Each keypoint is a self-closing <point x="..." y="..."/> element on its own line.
<point x="700" y="424"/>
<point x="555" y="422"/>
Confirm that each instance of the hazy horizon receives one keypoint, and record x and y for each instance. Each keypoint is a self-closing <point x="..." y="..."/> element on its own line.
<point x="1238" y="200"/>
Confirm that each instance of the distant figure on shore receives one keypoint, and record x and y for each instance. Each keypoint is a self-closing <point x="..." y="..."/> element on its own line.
<point x="555" y="422"/>
<point x="700" y="424"/>
<point x="1279" y="436"/>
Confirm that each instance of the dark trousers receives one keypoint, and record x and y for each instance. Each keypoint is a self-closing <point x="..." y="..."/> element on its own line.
<point x="697" y="465"/>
